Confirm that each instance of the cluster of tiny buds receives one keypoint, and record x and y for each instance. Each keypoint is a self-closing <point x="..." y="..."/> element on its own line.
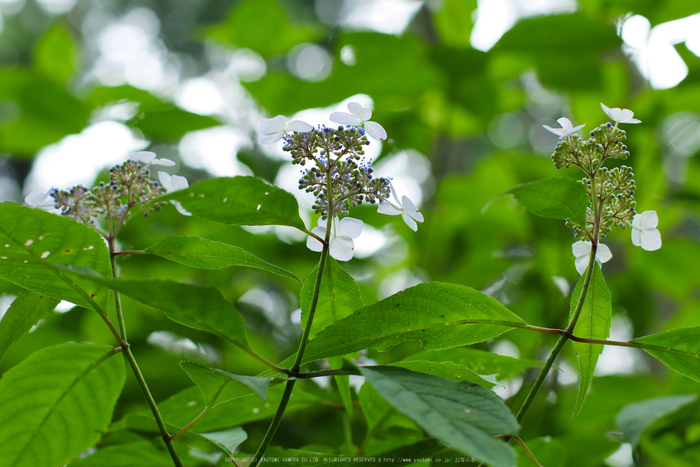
<point x="129" y="185"/>
<point x="605" y="143"/>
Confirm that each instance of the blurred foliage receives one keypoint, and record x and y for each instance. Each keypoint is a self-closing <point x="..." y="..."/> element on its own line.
<point x="476" y="118"/>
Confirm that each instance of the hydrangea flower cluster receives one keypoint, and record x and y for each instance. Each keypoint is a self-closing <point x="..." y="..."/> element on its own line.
<point x="130" y="185"/>
<point x="610" y="191"/>
<point x="339" y="176"/>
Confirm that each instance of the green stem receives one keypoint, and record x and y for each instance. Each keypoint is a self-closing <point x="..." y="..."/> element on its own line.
<point x="297" y="361"/>
<point x="134" y="366"/>
<point x="562" y="339"/>
<point x="347" y="431"/>
<point x="184" y="429"/>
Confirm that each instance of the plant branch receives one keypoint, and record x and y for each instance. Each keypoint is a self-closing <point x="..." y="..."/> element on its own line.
<point x="184" y="429"/>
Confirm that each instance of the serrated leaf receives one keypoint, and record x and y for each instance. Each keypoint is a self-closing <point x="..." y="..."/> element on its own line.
<point x="228" y="440"/>
<point x="207" y="254"/>
<point x="194" y="306"/>
<point x="678" y="349"/>
<point x="240" y="201"/>
<point x="56" y="403"/>
<point x="447" y="370"/>
<point x="479" y="361"/>
<point x="594" y="323"/>
<point x="127" y="455"/>
<point x="634" y="418"/>
<point x="439" y="315"/>
<point x="560" y="198"/>
<point x="463" y="415"/>
<point x="338" y="298"/>
<point x="26" y="310"/>
<point x="33" y="241"/>
<point x="222" y="385"/>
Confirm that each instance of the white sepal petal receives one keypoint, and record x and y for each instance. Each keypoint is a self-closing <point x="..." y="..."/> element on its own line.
<point x="386" y="207"/>
<point x="299" y="126"/>
<point x="409" y="221"/>
<point x="143" y="156"/>
<point x="342" y="248"/>
<point x="375" y="130"/>
<point x="651" y="239"/>
<point x="313" y="244"/>
<point x="603" y="254"/>
<point x="345" y="118"/>
<point x="349" y="227"/>
<point x="273" y="125"/>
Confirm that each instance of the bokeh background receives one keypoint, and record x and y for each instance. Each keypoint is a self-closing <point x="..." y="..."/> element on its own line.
<point x="462" y="88"/>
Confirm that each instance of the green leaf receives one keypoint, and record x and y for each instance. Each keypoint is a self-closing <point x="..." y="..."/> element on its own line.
<point x="678" y="349"/>
<point x="56" y="403"/>
<point x="339" y="296"/>
<point x="547" y="450"/>
<point x="480" y="362"/>
<point x="57" y="55"/>
<point x="560" y="198"/>
<point x="634" y="418"/>
<point x="228" y="440"/>
<point x="262" y="25"/>
<point x="463" y="415"/>
<point x="142" y="454"/>
<point x="169" y="122"/>
<point x="343" y="383"/>
<point x="447" y="370"/>
<point x="207" y="254"/>
<point x="240" y="201"/>
<point x="454" y="22"/>
<point x="222" y="385"/>
<point x="194" y="306"/>
<point x="32" y="242"/>
<point x="594" y="323"/>
<point x="45" y="112"/>
<point x="25" y="311"/>
<point x="434" y="313"/>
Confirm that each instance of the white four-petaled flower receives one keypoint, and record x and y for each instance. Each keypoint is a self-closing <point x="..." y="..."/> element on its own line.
<point x="359" y="116"/>
<point x="149" y="158"/>
<point x="273" y="129"/>
<point x="620" y="115"/>
<point x="174" y="183"/>
<point x="644" y="231"/>
<point x="41" y="200"/>
<point x="582" y="252"/>
<point x="567" y="128"/>
<point x="341" y="240"/>
<point x="405" y="207"/>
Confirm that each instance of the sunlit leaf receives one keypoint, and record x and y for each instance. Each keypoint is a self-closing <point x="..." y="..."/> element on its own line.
<point x="26" y="310"/>
<point x="594" y="323"/>
<point x="339" y="296"/>
<point x="33" y="241"/>
<point x="209" y="254"/>
<point x="262" y="25"/>
<point x="634" y="418"/>
<point x="57" y="54"/>
<point x="439" y="315"/>
<point x="228" y="440"/>
<point x="56" y="403"/>
<point x="560" y="198"/>
<point x="463" y="415"/>
<point x="447" y="370"/>
<point x="678" y="349"/>
<point x="240" y="201"/>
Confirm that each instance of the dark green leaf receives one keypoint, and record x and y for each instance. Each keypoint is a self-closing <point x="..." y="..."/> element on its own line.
<point x="240" y="201"/>
<point x="208" y="254"/>
<point x="25" y="311"/>
<point x="439" y="315"/>
<point x="560" y="198"/>
<point x="594" y="322"/>
<point x="463" y="415"/>
<point x="262" y="25"/>
<point x="198" y="307"/>
<point x="634" y="418"/>
<point x="45" y="112"/>
<point x="166" y="121"/>
<point x="56" y="403"/>
<point x="143" y="454"/>
<point x="339" y="296"/>
<point x="548" y="452"/>
<point x="343" y="383"/>
<point x="32" y="242"/>
<point x="678" y="349"/>
<point x="57" y="55"/>
<point x="222" y="385"/>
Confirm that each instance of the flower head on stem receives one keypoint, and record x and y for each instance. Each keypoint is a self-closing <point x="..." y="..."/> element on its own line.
<point x="619" y="115"/>
<point x="582" y="251"/>
<point x="359" y="116"/>
<point x="644" y="231"/>
<point x="567" y="128"/>
<point x="405" y="207"/>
